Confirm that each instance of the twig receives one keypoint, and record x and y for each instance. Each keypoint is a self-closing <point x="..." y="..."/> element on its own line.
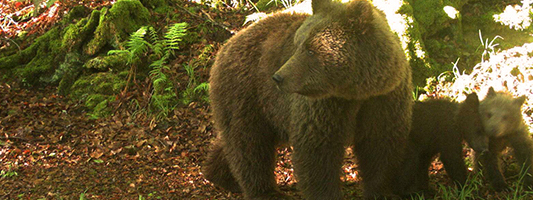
<point x="20" y="139"/>
<point x="209" y="19"/>
<point x="10" y="40"/>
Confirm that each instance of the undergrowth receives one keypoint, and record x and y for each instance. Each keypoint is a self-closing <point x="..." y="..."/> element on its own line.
<point x="145" y="43"/>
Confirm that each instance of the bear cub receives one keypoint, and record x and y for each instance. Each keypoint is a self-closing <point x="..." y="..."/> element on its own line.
<point x="505" y="127"/>
<point x="439" y="126"/>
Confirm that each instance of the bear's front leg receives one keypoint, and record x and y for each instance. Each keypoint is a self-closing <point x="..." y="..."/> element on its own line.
<point x="383" y="125"/>
<point x="317" y="160"/>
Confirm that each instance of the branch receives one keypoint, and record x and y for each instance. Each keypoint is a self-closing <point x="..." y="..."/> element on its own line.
<point x="209" y="19"/>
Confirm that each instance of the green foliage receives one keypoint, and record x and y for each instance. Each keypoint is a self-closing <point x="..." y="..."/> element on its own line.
<point x="163" y="96"/>
<point x="144" y="43"/>
<point x="116" y="24"/>
<point x="82" y="195"/>
<point x="8" y="173"/>
<point x="136" y="46"/>
<point x="174" y="36"/>
<point x="517" y="189"/>
<point x="194" y="91"/>
<point x="266" y="4"/>
<point x="467" y="191"/>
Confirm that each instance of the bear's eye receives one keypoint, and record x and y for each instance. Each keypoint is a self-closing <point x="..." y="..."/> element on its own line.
<point x="489" y="115"/>
<point x="310" y="52"/>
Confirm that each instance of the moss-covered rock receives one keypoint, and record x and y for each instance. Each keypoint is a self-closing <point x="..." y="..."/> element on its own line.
<point x="115" y="25"/>
<point x="98" y="105"/>
<point x="106" y="83"/>
<point x="38" y="61"/>
<point x="98" y="90"/>
<point x="68" y="72"/>
<point x="75" y="35"/>
<point x="76" y="12"/>
<point x="116" y="62"/>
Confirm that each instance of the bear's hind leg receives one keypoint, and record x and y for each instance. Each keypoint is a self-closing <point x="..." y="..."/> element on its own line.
<point x="216" y="169"/>
<point x="380" y="141"/>
<point x="251" y="154"/>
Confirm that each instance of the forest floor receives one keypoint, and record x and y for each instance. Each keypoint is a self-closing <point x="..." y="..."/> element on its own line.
<point x="51" y="149"/>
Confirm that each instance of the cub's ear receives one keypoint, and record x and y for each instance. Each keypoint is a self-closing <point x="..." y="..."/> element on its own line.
<point x="320" y="5"/>
<point x="520" y="100"/>
<point x="472" y="99"/>
<point x="491" y="92"/>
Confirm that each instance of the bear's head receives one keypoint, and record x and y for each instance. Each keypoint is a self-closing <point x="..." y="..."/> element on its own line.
<point x="344" y="50"/>
<point x="501" y="113"/>
<point x="468" y="121"/>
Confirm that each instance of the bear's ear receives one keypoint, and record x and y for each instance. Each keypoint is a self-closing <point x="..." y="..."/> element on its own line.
<point x="320" y="5"/>
<point x="491" y="92"/>
<point x="472" y="100"/>
<point x="520" y="100"/>
<point x="359" y="13"/>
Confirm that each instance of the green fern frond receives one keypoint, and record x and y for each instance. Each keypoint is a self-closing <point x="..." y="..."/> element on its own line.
<point x="158" y="46"/>
<point x="174" y="35"/>
<point x="137" y="45"/>
<point x="202" y="87"/>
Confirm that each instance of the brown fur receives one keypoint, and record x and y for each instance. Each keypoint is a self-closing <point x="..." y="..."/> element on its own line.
<point x="439" y="126"/>
<point x="504" y="124"/>
<point x="339" y="66"/>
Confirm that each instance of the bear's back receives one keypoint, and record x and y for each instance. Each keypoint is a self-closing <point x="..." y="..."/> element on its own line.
<point x="433" y="121"/>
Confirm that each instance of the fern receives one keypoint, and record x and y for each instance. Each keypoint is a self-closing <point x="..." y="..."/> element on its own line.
<point x="147" y="41"/>
<point x="202" y="87"/>
<point x="136" y="46"/>
<point x="174" y="36"/>
<point x="158" y="46"/>
<point x="159" y="79"/>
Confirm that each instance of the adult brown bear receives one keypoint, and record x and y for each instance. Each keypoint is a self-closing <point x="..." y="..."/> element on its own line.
<point x="318" y="83"/>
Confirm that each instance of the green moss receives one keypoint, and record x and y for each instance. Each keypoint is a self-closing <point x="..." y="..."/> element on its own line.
<point x="152" y="4"/>
<point x="115" y="62"/>
<point x="166" y="10"/>
<point x="76" y="13"/>
<point x="125" y="17"/>
<point x="38" y="61"/>
<point x="98" y="90"/>
<point x="430" y="15"/>
<point x="75" y="34"/>
<point x="98" y="104"/>
<point x="68" y="72"/>
<point x="106" y="83"/>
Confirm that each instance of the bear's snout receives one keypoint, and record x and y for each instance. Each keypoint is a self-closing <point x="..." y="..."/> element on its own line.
<point x="277" y="78"/>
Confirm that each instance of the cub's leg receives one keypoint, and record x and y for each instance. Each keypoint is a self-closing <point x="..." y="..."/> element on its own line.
<point x="523" y="150"/>
<point x="453" y="161"/>
<point x="490" y="165"/>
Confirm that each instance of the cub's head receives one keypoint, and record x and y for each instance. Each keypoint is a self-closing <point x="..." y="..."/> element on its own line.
<point x="344" y="50"/>
<point x="468" y="121"/>
<point x="501" y="113"/>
